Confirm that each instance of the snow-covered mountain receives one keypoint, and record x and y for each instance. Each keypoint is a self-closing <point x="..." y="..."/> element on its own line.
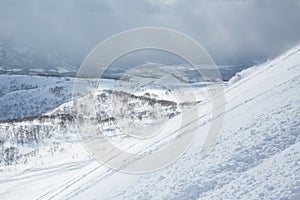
<point x="19" y="58"/>
<point x="26" y="96"/>
<point x="256" y="157"/>
<point x="37" y="133"/>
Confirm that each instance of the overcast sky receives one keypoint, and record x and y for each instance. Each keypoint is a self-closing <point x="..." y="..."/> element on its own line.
<point x="232" y="31"/>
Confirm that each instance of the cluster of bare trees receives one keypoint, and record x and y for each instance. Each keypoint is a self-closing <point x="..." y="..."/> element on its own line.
<point x="110" y="107"/>
<point x="30" y="132"/>
<point x="57" y="90"/>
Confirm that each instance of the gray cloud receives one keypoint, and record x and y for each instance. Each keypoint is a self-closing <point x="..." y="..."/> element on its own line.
<point x="233" y="31"/>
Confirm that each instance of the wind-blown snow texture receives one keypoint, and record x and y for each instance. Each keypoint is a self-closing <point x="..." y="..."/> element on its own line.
<point x="256" y="157"/>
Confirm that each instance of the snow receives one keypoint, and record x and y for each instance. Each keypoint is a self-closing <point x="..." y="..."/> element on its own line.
<point x="31" y="95"/>
<point x="252" y="70"/>
<point x="256" y="157"/>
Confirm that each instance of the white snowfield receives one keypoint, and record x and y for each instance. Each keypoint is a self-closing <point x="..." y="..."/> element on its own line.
<point x="256" y="157"/>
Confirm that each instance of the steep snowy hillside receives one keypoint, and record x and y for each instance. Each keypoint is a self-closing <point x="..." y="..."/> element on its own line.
<point x="27" y="96"/>
<point x="23" y="96"/>
<point x="256" y="157"/>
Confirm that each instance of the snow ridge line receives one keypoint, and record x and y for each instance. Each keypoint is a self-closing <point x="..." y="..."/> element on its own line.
<point x="264" y="67"/>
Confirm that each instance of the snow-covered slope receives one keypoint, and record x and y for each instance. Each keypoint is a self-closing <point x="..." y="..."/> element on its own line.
<point x="256" y="157"/>
<point x="258" y="154"/>
<point x="26" y="96"/>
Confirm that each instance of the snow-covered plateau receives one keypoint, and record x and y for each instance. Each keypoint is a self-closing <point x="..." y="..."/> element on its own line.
<point x="257" y="155"/>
